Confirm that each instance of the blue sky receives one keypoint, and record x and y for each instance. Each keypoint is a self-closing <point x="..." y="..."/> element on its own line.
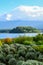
<point x="8" y="5"/>
<point x="20" y="10"/>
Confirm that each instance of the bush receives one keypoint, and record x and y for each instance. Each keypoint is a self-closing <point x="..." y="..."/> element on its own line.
<point x="0" y="49"/>
<point x="27" y="42"/>
<point x="2" y="64"/>
<point x="31" y="55"/>
<point x="41" y="48"/>
<point x="20" y="62"/>
<point x="30" y="62"/>
<point x="8" y="57"/>
<point x="12" y="61"/>
<point x="13" y="48"/>
<point x="22" y="48"/>
<point x="0" y="43"/>
<point x="21" y="39"/>
<point x="8" y="40"/>
<point x="2" y="58"/>
<point x="33" y="62"/>
<point x="31" y="49"/>
<point x="39" y="42"/>
<point x="40" y="57"/>
<point x="38" y="48"/>
<point x="21" y="58"/>
<point x="6" y="48"/>
<point x="21" y="53"/>
<point x="16" y="56"/>
<point x="39" y="37"/>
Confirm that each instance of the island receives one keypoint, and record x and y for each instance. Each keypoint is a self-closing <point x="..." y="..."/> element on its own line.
<point x="21" y="29"/>
<point x="24" y="29"/>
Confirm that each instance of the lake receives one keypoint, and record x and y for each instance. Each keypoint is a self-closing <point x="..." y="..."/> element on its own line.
<point x="8" y="35"/>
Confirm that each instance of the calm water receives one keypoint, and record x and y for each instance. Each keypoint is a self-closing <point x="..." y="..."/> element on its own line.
<point x="8" y="35"/>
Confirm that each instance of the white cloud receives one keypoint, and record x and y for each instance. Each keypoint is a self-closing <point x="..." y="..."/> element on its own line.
<point x="33" y="11"/>
<point x="25" y="13"/>
<point x="28" y="12"/>
<point x="8" y="17"/>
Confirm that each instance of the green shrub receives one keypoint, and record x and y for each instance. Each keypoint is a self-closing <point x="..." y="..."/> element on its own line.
<point x="39" y="42"/>
<point x="12" y="61"/>
<point x="16" y="56"/>
<point x="41" y="48"/>
<point x="21" y="39"/>
<point x="40" y="57"/>
<point x="38" y="48"/>
<point x="22" y="48"/>
<point x="2" y="58"/>
<point x="21" y="52"/>
<point x="39" y="37"/>
<point x="20" y="62"/>
<point x="31" y="55"/>
<point x="33" y="62"/>
<point x="21" y="58"/>
<point x="13" y="46"/>
<point x="6" y="48"/>
<point x="30" y="62"/>
<point x="31" y="49"/>
<point x="2" y="64"/>
<point x="0" y="49"/>
<point x="9" y="56"/>
<point x="27" y="42"/>
<point x="12" y="50"/>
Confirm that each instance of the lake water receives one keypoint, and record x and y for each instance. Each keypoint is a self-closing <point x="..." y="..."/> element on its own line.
<point x="8" y="35"/>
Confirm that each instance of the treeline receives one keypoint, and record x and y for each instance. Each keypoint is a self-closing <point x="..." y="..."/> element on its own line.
<point x="25" y="29"/>
<point x="21" y="29"/>
<point x="22" y="50"/>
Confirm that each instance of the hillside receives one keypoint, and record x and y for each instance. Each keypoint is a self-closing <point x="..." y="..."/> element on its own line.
<point x="25" y="29"/>
<point x="20" y="29"/>
<point x="22" y="50"/>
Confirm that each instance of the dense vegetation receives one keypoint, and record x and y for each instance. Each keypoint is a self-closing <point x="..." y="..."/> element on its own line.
<point x="24" y="30"/>
<point x="21" y="29"/>
<point x="22" y="50"/>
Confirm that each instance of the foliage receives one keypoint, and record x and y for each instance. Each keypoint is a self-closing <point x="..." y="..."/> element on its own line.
<point x="30" y="62"/>
<point x="33" y="62"/>
<point x="6" y="48"/>
<point x="20" y="62"/>
<point x="38" y="48"/>
<point x="25" y="29"/>
<point x="8" y="40"/>
<point x="40" y="57"/>
<point x="22" y="51"/>
<point x="22" y="39"/>
<point x="31" y="55"/>
<point x="12" y="61"/>
<point x="27" y="42"/>
<point x="2" y="64"/>
<point x="0" y="43"/>
<point x="8" y="57"/>
<point x="39" y="37"/>
<point x="2" y="58"/>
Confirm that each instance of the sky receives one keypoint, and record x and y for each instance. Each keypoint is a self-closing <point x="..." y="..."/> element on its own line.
<point x="20" y="10"/>
<point x="9" y="5"/>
